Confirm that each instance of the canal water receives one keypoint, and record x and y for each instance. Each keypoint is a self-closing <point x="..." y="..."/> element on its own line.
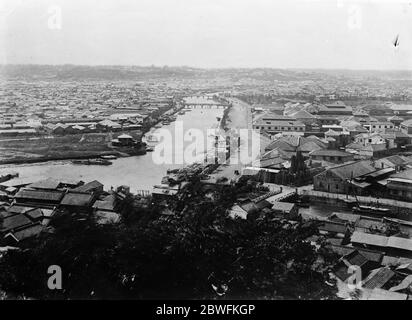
<point x="317" y="210"/>
<point x="137" y="172"/>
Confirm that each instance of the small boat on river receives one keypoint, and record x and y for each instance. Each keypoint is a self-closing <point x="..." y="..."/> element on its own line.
<point x="373" y="211"/>
<point x="109" y="157"/>
<point x="97" y="162"/>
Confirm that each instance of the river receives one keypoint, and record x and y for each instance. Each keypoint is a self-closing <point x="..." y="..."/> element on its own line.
<point x="137" y="172"/>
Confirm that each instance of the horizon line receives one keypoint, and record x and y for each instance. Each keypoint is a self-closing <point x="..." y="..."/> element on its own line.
<point x="204" y="68"/>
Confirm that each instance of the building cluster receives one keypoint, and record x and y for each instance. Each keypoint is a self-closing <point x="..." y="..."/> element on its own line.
<point x="335" y="137"/>
<point x="346" y="154"/>
<point x="26" y="208"/>
<point x="389" y="177"/>
<point x="323" y="88"/>
<point x="333" y="118"/>
<point x="375" y="255"/>
<point x="375" y="250"/>
<point x="71" y="107"/>
<point x="335" y="171"/>
<point x="311" y="139"/>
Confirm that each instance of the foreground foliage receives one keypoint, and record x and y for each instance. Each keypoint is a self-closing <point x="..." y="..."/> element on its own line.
<point x="196" y="253"/>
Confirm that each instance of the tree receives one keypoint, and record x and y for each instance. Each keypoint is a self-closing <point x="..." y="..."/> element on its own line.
<point x="199" y="252"/>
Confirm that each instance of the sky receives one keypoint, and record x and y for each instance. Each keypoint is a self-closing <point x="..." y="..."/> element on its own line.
<point x="208" y="33"/>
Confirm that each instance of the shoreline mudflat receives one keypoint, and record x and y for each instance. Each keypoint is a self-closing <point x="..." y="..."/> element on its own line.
<point x="71" y="156"/>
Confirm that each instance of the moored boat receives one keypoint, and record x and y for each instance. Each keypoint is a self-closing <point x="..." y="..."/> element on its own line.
<point x="80" y="161"/>
<point x="109" y="157"/>
<point x="363" y="209"/>
<point x="99" y="162"/>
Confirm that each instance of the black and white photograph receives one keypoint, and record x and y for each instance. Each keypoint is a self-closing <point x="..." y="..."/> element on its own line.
<point x="205" y="155"/>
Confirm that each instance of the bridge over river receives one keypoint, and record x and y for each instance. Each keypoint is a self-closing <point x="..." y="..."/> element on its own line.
<point x="212" y="105"/>
<point x="204" y="102"/>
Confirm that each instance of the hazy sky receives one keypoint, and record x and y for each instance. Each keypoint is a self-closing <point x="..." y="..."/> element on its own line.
<point x="208" y="33"/>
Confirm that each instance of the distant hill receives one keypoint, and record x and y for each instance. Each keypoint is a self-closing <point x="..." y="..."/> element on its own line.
<point x="73" y="72"/>
<point x="113" y="73"/>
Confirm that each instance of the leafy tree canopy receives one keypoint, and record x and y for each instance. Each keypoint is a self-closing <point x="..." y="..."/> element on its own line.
<point x="198" y="252"/>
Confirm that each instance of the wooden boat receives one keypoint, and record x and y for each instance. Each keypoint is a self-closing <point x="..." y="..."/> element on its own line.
<point x="362" y="209"/>
<point x="99" y="162"/>
<point x="109" y="157"/>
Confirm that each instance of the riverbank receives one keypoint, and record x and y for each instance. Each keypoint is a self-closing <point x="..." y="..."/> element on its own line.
<point x="70" y="156"/>
<point x="71" y="147"/>
<point x="402" y="210"/>
<point x="138" y="172"/>
<point x="65" y="147"/>
<point x="238" y="117"/>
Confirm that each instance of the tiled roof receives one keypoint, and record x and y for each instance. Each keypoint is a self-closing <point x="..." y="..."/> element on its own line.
<point x="378" y="278"/>
<point x="332" y="227"/>
<point x="15" y="208"/>
<point x="281" y="144"/>
<point x="355" y="258"/>
<point x="108" y="203"/>
<point x="265" y="163"/>
<point x="28" y="232"/>
<point x="354" y="146"/>
<point x="283" y="206"/>
<point x="88" y="186"/>
<point x="309" y="146"/>
<point x="382" y="241"/>
<point x="45" y="184"/>
<point x="15" y="222"/>
<point x="371" y="255"/>
<point x="368" y="223"/>
<point x="369" y="239"/>
<point x="407" y="174"/>
<point x="400" y="243"/>
<point x="77" y="199"/>
<point x="328" y="152"/>
<point x="353" y="169"/>
<point x="302" y="114"/>
<point x="35" y="214"/>
<point x="54" y="196"/>
<point x="395" y="159"/>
